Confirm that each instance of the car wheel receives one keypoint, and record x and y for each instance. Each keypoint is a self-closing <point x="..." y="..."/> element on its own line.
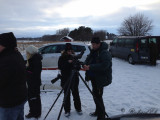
<point x="130" y="60"/>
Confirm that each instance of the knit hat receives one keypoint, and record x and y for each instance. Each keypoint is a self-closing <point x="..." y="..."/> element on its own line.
<point x="8" y="40"/>
<point x="31" y="49"/>
<point x="68" y="46"/>
<point x="95" y="40"/>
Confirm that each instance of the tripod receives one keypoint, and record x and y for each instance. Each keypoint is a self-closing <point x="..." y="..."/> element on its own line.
<point x="68" y="86"/>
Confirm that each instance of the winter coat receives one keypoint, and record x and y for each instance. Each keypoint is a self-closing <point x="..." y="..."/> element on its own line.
<point x="13" y="89"/>
<point x="65" y="67"/>
<point x="100" y="62"/>
<point x="153" y="50"/>
<point x="34" y="74"/>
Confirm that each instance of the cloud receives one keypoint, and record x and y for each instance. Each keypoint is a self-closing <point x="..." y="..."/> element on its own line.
<point x="38" y="17"/>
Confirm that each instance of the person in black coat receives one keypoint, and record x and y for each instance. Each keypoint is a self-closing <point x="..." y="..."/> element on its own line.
<point x="13" y="90"/>
<point x="34" y="68"/>
<point x="153" y="53"/>
<point x="65" y="65"/>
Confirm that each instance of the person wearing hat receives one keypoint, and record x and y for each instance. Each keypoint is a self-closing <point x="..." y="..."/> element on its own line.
<point x="34" y="68"/>
<point x="13" y="90"/>
<point x="65" y="66"/>
<point x="98" y="66"/>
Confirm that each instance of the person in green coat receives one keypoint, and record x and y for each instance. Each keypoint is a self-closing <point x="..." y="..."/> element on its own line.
<point x="98" y="66"/>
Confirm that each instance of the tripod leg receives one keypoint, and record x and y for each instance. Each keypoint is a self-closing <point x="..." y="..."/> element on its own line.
<point x="60" y="111"/>
<point x="67" y="87"/>
<point x="91" y="92"/>
<point x="53" y="103"/>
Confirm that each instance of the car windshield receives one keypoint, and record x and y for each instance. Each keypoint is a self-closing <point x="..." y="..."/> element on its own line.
<point x="78" y="48"/>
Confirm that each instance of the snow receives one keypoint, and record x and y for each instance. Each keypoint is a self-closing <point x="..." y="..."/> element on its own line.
<point x="134" y="88"/>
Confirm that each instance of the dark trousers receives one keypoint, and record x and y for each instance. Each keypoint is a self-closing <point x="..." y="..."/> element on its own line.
<point x="75" y="93"/>
<point x="153" y="60"/>
<point x="98" y="93"/>
<point x="34" y="101"/>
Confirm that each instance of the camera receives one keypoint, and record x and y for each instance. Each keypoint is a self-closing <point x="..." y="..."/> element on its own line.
<point x="56" y="78"/>
<point x="76" y="63"/>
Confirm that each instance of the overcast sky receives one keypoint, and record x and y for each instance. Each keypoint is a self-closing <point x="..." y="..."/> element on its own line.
<point x="34" y="18"/>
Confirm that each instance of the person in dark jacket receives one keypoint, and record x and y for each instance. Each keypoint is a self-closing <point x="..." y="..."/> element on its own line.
<point x="65" y="65"/>
<point x="153" y="53"/>
<point x="98" y="66"/>
<point x="13" y="90"/>
<point x="34" y="68"/>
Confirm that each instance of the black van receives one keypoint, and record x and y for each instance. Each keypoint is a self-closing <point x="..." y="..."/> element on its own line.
<point x="134" y="49"/>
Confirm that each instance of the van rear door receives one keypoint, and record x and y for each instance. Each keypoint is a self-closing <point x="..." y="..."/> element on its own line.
<point x="144" y="49"/>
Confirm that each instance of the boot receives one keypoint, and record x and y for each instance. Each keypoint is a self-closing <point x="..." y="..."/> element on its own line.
<point x="93" y="114"/>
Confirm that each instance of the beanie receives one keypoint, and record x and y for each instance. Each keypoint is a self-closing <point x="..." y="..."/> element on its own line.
<point x="8" y="40"/>
<point x="68" y="46"/>
<point x="95" y="40"/>
<point x="31" y="49"/>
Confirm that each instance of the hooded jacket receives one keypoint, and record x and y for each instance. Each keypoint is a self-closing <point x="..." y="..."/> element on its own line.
<point x="13" y="89"/>
<point x="65" y="66"/>
<point x="100" y="62"/>
<point x="34" y="69"/>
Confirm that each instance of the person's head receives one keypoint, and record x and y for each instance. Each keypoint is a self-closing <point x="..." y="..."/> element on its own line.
<point x="31" y="50"/>
<point x="95" y="43"/>
<point x="68" y="48"/>
<point x="7" y="41"/>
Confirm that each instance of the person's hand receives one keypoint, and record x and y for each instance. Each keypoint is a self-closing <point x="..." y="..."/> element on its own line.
<point x="86" y="67"/>
<point x="70" y="61"/>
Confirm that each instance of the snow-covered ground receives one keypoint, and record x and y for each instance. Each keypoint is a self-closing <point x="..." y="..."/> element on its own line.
<point x="134" y="88"/>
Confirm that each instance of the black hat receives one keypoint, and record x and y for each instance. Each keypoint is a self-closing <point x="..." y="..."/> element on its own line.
<point x="8" y="40"/>
<point x="68" y="46"/>
<point x="95" y="40"/>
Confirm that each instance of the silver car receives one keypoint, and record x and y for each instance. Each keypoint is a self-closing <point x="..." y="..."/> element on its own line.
<point x="52" y="52"/>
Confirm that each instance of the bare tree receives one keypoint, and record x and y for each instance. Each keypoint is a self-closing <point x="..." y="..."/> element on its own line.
<point x="64" y="31"/>
<point x="137" y="25"/>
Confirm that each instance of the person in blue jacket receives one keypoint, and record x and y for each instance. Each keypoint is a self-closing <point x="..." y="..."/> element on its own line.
<point x="98" y="66"/>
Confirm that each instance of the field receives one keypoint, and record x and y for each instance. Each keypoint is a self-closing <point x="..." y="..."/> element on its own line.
<point x="22" y="45"/>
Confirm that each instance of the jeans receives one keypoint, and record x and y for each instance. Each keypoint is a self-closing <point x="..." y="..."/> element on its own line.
<point x="13" y="113"/>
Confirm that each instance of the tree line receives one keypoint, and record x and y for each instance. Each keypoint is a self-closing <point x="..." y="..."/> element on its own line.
<point x="79" y="34"/>
<point x="136" y="25"/>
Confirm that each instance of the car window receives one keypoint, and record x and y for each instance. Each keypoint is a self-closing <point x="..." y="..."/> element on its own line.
<point x="40" y="49"/>
<point x="114" y="42"/>
<point x="53" y="49"/>
<point x="46" y="50"/>
<point x="49" y="49"/>
<point x="152" y="39"/>
<point x="143" y="43"/>
<point x="60" y="48"/>
<point x="78" y="48"/>
<point x="120" y="42"/>
<point x="129" y="42"/>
